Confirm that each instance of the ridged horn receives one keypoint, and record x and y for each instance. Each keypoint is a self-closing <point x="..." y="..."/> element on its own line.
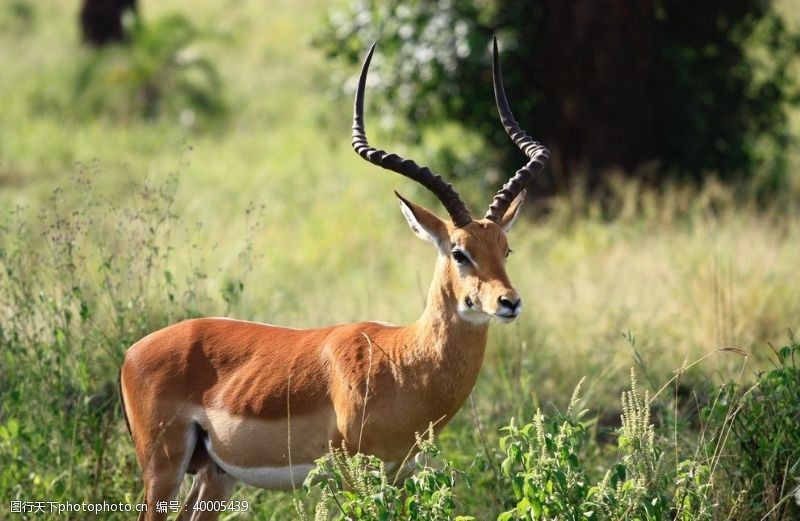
<point x="390" y="161"/>
<point x="537" y="154"/>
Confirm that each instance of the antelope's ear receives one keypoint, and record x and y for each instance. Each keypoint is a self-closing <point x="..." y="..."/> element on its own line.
<point x="510" y="217"/>
<point x="424" y="223"/>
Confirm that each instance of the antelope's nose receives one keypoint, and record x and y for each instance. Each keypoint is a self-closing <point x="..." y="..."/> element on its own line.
<point x="510" y="305"/>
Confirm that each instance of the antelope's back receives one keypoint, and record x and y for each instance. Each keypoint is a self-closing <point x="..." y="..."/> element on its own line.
<point x="242" y="367"/>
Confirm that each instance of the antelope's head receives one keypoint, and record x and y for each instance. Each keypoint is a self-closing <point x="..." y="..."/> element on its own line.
<point x="472" y="252"/>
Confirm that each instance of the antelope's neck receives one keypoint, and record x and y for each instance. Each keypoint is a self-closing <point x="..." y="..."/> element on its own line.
<point x="452" y="344"/>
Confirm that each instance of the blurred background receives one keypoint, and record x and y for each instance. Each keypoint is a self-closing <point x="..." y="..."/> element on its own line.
<point x="165" y="159"/>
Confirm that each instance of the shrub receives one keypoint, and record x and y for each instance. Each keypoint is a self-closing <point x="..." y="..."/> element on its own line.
<point x="358" y="488"/>
<point x="18" y="16"/>
<point x="695" y="88"/>
<point x="161" y="72"/>
<point x="761" y="462"/>
<point x="549" y="480"/>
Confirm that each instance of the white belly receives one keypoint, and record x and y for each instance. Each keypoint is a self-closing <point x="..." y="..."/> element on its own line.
<point x="257" y="452"/>
<point x="275" y="478"/>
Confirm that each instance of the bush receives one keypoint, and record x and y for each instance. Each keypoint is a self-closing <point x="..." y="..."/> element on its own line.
<point x="160" y="73"/>
<point x="549" y="481"/>
<point x="18" y="16"/>
<point x="358" y="488"/>
<point x="696" y="88"/>
<point x="761" y="462"/>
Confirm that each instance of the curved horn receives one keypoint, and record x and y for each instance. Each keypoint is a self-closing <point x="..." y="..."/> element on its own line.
<point x="537" y="154"/>
<point x="421" y="174"/>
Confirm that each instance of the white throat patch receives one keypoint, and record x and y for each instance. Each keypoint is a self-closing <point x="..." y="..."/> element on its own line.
<point x="473" y="316"/>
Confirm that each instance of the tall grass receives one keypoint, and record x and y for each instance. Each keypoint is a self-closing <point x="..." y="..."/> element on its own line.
<point x="81" y="281"/>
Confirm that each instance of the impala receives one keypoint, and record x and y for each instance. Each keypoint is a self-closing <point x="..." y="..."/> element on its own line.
<point x="229" y="400"/>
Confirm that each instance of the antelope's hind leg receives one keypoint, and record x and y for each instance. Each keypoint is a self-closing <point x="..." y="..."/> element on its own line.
<point x="164" y="460"/>
<point x="211" y="488"/>
<point x="211" y="484"/>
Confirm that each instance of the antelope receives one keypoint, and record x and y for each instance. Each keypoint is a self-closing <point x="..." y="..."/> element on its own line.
<point x="228" y="400"/>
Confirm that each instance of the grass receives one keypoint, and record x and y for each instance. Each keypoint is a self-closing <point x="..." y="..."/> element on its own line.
<point x="275" y="199"/>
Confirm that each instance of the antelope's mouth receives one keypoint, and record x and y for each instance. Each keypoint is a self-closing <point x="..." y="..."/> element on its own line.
<point x="505" y="317"/>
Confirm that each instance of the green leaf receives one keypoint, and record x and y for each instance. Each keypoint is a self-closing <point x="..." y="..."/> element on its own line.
<point x="518" y="484"/>
<point x="507" y="466"/>
<point x="536" y="505"/>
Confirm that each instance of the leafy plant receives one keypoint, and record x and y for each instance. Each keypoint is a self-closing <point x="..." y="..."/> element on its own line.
<point x="762" y="459"/>
<point x="161" y="72"/>
<point x="549" y="480"/>
<point x="357" y="487"/>
<point x="18" y="16"/>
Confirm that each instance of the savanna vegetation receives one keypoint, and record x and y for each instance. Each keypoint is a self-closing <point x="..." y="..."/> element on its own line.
<point x="205" y="169"/>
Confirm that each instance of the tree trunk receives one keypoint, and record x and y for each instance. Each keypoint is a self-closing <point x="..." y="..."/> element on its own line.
<point x="599" y="59"/>
<point x="101" y="21"/>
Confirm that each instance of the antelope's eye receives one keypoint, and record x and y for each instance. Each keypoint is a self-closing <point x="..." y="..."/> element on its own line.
<point x="508" y="252"/>
<point x="460" y="258"/>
